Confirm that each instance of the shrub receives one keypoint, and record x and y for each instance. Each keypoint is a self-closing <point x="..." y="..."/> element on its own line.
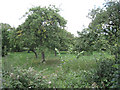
<point x="116" y="77"/>
<point x="104" y="72"/>
<point x="23" y="78"/>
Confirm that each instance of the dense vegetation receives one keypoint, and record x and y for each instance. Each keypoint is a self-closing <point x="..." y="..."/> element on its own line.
<point x="40" y="53"/>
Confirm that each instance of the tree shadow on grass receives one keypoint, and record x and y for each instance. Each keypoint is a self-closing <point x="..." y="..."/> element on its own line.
<point x="48" y="63"/>
<point x="52" y="62"/>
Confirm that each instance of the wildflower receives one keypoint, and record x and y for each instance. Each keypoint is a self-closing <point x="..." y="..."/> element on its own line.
<point x="18" y="76"/>
<point x="49" y="82"/>
<point x="11" y="75"/>
<point x="94" y="85"/>
<point x="55" y="74"/>
<point x="44" y="77"/>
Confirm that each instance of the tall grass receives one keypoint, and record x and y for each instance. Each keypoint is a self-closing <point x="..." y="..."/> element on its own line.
<point x="26" y="60"/>
<point x="65" y="71"/>
<point x="84" y="62"/>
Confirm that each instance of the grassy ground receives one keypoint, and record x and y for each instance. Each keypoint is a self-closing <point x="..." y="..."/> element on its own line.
<point x="61" y="71"/>
<point x="26" y="60"/>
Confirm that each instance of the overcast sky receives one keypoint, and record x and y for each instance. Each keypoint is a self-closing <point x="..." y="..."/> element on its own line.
<point x="74" y="11"/>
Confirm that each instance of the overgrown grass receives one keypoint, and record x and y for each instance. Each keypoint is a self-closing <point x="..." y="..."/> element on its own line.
<point x="84" y="62"/>
<point x="65" y="71"/>
<point x="26" y="60"/>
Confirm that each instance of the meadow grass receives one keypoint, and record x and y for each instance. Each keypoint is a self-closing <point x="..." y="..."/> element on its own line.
<point x="26" y="60"/>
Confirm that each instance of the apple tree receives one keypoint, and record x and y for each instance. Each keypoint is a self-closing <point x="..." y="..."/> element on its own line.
<point x="40" y="29"/>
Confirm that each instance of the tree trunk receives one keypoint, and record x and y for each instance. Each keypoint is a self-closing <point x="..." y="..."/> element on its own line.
<point x="28" y="51"/>
<point x="55" y="53"/>
<point x="35" y="53"/>
<point x="43" y="56"/>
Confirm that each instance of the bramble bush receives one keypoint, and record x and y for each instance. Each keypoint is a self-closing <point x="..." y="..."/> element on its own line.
<point x="23" y="78"/>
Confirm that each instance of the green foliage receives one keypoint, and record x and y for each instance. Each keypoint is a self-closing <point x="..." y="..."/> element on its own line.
<point x="106" y="23"/>
<point x="104" y="73"/>
<point x="23" y="78"/>
<point x="103" y="35"/>
<point x="71" y="79"/>
<point x="5" y="28"/>
<point x="103" y="31"/>
<point x="42" y="29"/>
<point x="9" y="40"/>
<point x="15" y="41"/>
<point x="41" y="25"/>
<point x="73" y="73"/>
<point x="30" y="78"/>
<point x="116" y="78"/>
<point x="81" y="67"/>
<point x="83" y="42"/>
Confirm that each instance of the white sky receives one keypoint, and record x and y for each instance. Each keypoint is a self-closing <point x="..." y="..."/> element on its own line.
<point x="74" y="11"/>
